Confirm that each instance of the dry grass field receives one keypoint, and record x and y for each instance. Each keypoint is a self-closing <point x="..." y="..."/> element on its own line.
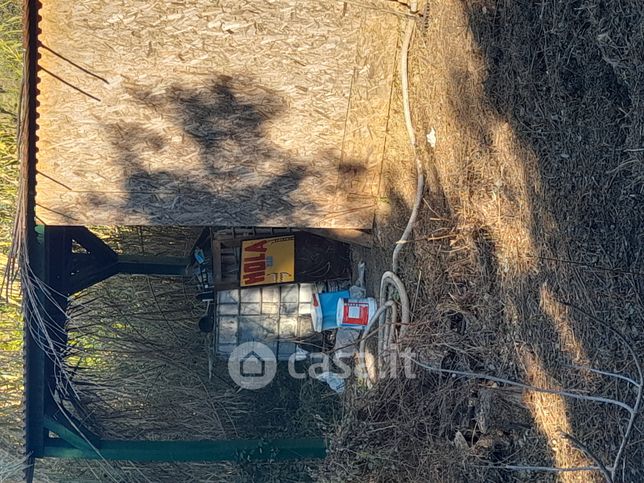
<point x="530" y="238"/>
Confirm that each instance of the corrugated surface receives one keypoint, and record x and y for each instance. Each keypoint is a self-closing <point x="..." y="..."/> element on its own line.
<point x="25" y="212"/>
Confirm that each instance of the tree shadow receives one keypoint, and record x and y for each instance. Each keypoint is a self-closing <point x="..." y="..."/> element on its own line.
<point x="571" y="97"/>
<point x="565" y="99"/>
<point x="549" y="75"/>
<point x="240" y="173"/>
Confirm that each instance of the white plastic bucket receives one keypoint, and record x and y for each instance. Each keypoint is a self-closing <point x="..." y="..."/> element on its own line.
<point x="355" y="312"/>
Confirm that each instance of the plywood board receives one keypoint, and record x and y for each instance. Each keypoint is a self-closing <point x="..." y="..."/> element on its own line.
<point x="194" y="112"/>
<point x="366" y="127"/>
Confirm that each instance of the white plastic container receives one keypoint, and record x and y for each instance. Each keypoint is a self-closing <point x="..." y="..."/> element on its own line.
<point x="355" y="312"/>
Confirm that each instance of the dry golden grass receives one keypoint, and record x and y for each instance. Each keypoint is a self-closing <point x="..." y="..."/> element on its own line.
<point x="532" y="210"/>
<point x="550" y="415"/>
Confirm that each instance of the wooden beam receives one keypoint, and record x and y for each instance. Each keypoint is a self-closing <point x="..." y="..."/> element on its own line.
<point x="217" y="275"/>
<point x="90" y="242"/>
<point x="87" y="270"/>
<point x="362" y="238"/>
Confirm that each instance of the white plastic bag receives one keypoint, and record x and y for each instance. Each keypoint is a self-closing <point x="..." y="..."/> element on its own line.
<point x="334" y="381"/>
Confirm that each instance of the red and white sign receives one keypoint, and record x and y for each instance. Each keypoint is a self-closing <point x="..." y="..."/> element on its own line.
<point x="356" y="311"/>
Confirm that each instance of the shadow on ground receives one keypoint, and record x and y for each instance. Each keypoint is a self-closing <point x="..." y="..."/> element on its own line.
<point x="531" y="231"/>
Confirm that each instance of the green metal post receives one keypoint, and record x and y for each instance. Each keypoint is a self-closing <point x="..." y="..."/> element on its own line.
<point x="34" y="355"/>
<point x="227" y="450"/>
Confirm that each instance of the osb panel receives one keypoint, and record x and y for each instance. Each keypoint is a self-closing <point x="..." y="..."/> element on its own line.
<point x="366" y="127"/>
<point x="212" y="113"/>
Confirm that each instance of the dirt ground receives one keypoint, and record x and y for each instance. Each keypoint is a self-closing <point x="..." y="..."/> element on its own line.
<point x="527" y="252"/>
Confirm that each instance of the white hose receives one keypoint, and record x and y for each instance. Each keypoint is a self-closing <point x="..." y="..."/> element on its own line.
<point x="420" y="184"/>
<point x="386" y="317"/>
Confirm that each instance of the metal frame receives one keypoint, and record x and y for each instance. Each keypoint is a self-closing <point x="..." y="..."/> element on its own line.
<point x="52" y="262"/>
<point x="66" y="273"/>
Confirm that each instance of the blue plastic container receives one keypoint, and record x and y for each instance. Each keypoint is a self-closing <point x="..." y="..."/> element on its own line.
<point x="324" y="309"/>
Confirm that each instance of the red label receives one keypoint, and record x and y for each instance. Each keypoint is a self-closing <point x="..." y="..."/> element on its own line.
<point x="356" y="314"/>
